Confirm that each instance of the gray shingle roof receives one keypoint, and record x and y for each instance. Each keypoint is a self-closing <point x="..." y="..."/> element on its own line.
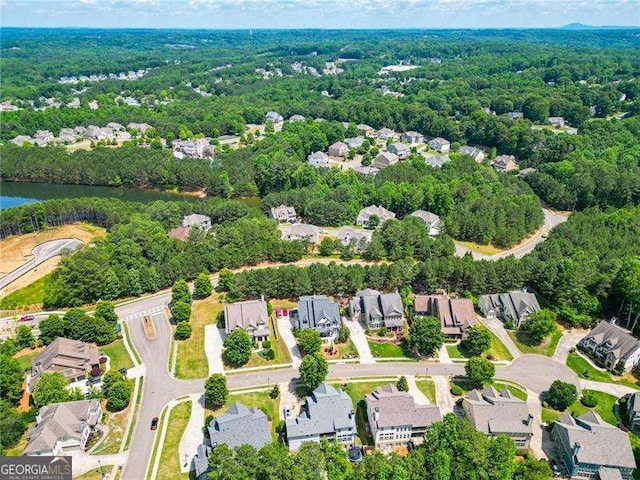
<point x="493" y="412"/>
<point x="397" y="408"/>
<point x="240" y="425"/>
<point x="621" y="343"/>
<point x="326" y="410"/>
<point x="382" y="213"/>
<point x="250" y="315"/>
<point x="600" y="443"/>
<point x="70" y="357"/>
<point x="514" y="304"/>
<point x="427" y="217"/>
<point x="315" y="308"/>
<point x="282" y="213"/>
<point x="201" y="460"/>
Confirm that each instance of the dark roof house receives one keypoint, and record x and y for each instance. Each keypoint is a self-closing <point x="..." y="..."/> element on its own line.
<point x="376" y="309"/>
<point x="72" y="358"/>
<point x="240" y="425"/>
<point x="514" y="306"/>
<point x="317" y="312"/>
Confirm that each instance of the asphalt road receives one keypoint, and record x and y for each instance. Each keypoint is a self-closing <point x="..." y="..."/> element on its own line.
<point x="551" y="220"/>
<point x="41" y="253"/>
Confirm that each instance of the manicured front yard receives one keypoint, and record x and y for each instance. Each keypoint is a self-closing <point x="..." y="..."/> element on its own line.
<point x="387" y="350"/>
<point x="341" y="350"/>
<point x="32" y="294"/>
<point x="118" y="354"/>
<point x="428" y="388"/>
<point x="116" y="423"/>
<point x="585" y="370"/>
<point x="497" y="350"/>
<point x="260" y="400"/>
<point x="605" y="408"/>
<point x="515" y="391"/>
<point x="258" y="359"/>
<point x="357" y="391"/>
<point x="170" y="457"/>
<point x="25" y="356"/>
<point x="526" y="345"/>
<point x="191" y="361"/>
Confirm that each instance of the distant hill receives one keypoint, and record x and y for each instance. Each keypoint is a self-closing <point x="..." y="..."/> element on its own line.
<point x="582" y="26"/>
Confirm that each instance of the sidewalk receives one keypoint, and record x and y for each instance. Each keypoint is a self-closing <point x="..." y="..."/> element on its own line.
<point x="443" y="355"/>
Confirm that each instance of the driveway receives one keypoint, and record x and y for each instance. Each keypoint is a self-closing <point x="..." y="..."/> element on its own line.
<point x="193" y="435"/>
<point x="443" y="394"/>
<point x="213" y="348"/>
<point x="610" y="388"/>
<point x="551" y="220"/>
<point x="286" y="333"/>
<point x="569" y="339"/>
<point x="83" y="462"/>
<point x="359" y="339"/>
<point x="418" y="397"/>
<point x="535" y="408"/>
<point x="497" y="327"/>
<point x="288" y="399"/>
<point x="41" y="253"/>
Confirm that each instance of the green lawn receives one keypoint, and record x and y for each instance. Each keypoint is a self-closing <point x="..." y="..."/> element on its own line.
<point x="387" y="350"/>
<point x="169" y="457"/>
<point x="357" y="391"/>
<point x="635" y="446"/>
<point x="585" y="370"/>
<point x="342" y="350"/>
<point x="455" y="351"/>
<point x="260" y="400"/>
<point x="257" y="359"/>
<point x="95" y="474"/>
<point x="497" y="350"/>
<point x="526" y="345"/>
<point x="118" y="355"/>
<point x="515" y="391"/>
<point x="32" y="294"/>
<point x="428" y="388"/>
<point x="605" y="408"/>
<point x="25" y="357"/>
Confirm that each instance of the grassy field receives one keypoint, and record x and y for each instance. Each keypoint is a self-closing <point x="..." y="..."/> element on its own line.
<point x="483" y="249"/>
<point x="259" y="400"/>
<point x="428" y="388"/>
<point x="387" y="350"/>
<point x="605" y="408"/>
<point x="169" y="457"/>
<point x="191" y="361"/>
<point x="526" y="345"/>
<point x="118" y="355"/>
<point x="32" y="294"/>
<point x="497" y="350"/>
<point x="585" y="370"/>
<point x="357" y="391"/>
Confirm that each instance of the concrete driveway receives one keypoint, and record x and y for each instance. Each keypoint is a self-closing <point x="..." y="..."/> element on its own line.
<point x="444" y="399"/>
<point x="286" y="333"/>
<point x="569" y="339"/>
<point x="418" y="397"/>
<point x="213" y="348"/>
<point x="41" y="253"/>
<point x="359" y="339"/>
<point x="497" y="327"/>
<point x="193" y="434"/>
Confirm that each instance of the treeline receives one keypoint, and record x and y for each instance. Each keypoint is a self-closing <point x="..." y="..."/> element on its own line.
<point x="126" y="166"/>
<point x="587" y="268"/>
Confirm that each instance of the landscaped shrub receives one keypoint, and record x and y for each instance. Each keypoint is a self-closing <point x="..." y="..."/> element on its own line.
<point x="589" y="400"/>
<point x="266" y="344"/>
<point x="456" y="390"/>
<point x="270" y="354"/>
<point x="383" y="331"/>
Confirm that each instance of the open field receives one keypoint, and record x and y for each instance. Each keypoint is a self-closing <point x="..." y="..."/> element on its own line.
<point x="191" y="360"/>
<point x="28" y="279"/>
<point x="30" y="296"/>
<point x="483" y="249"/>
<point x="525" y="345"/>
<point x="169" y="456"/>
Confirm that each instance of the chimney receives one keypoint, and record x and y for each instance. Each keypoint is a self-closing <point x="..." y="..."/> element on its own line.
<point x="576" y="448"/>
<point x="376" y="414"/>
<point x="529" y="419"/>
<point x="613" y="320"/>
<point x="262" y="298"/>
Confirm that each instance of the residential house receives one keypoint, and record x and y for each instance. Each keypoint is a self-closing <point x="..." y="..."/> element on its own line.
<point x="75" y="103"/>
<point x="319" y="313"/>
<point x="195" y="219"/>
<point x="476" y="153"/>
<point x="200" y="462"/>
<point x="240" y="425"/>
<point x="611" y="345"/>
<point x="273" y="117"/>
<point x="43" y="138"/>
<point x="366" y="171"/>
<point x="141" y="128"/>
<point x="386" y="133"/>
<point x="633" y="411"/>
<point x="296" y="118"/>
<point x="327" y="413"/>
<point x="63" y="428"/>
<point x="499" y="413"/>
<point x="456" y="315"/>
<point x="395" y="420"/>
<point x="338" y="149"/>
<point x="431" y="221"/>
<point x="94" y="132"/>
<point x="505" y="163"/>
<point x="366" y="130"/>
<point x="590" y="448"/>
<point x="412" y="138"/>
<point x="366" y="213"/>
<point x="72" y="358"/>
<point x="251" y="316"/>
<point x="318" y="159"/>
<point x="516" y="115"/>
<point x="93" y="105"/>
<point x="514" y="306"/>
<point x="354" y="142"/>
<point x="356" y="238"/>
<point x="440" y="144"/>
<point x="305" y="232"/>
<point x="402" y="150"/>
<point x="80" y="130"/>
<point x="67" y="135"/>
<point x="115" y="126"/>
<point x="131" y="102"/>
<point x="20" y="140"/>
<point x="375" y="309"/>
<point x="557" y="122"/>
<point x="284" y="214"/>
<point x="384" y="159"/>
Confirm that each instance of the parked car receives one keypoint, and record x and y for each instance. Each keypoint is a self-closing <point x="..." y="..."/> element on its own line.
<point x="123" y="371"/>
<point x="94" y="380"/>
<point x="154" y="423"/>
<point x="27" y="318"/>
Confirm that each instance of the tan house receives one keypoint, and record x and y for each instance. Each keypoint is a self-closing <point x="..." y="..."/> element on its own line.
<point x="505" y="163"/>
<point x="384" y="159"/>
<point x="251" y="316"/>
<point x="338" y="149"/>
<point x="456" y="315"/>
<point x="366" y="130"/>
<point x="72" y="358"/>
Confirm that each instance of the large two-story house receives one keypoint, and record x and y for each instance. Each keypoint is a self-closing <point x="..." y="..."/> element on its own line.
<point x="514" y="306"/>
<point x="319" y="313"/>
<point x="611" y="345"/>
<point x="591" y="449"/>
<point x="375" y="309"/>
<point x="396" y="420"/>
<point x="456" y="315"/>
<point x="364" y="217"/>
<point x="327" y="413"/>
<point x="499" y="413"/>
<point x="251" y="316"/>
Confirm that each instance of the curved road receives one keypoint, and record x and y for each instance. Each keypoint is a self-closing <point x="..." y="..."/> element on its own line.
<point x="551" y="220"/>
<point x="41" y="253"/>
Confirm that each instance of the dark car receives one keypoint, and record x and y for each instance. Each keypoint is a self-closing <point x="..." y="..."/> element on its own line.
<point x="154" y="423"/>
<point x="27" y="318"/>
<point x="94" y="380"/>
<point x="123" y="371"/>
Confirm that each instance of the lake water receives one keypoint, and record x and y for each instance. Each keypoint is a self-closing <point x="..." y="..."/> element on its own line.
<point x="13" y="194"/>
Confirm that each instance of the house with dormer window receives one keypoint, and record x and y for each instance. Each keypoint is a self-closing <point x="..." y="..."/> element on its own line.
<point x="251" y="316"/>
<point x="375" y="309"/>
<point x="319" y="313"/>
<point x="610" y="345"/>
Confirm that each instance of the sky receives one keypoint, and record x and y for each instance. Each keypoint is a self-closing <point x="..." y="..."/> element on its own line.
<point x="240" y="14"/>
